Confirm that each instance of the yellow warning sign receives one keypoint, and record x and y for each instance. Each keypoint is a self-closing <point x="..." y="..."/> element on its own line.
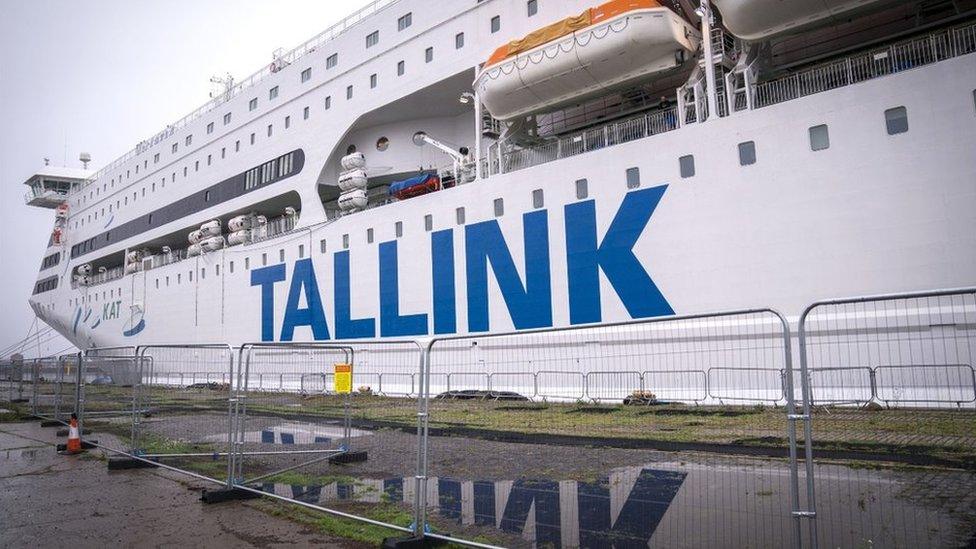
<point x="343" y="378"/>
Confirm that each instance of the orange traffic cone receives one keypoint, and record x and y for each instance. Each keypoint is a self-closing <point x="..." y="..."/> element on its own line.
<point x="74" y="439"/>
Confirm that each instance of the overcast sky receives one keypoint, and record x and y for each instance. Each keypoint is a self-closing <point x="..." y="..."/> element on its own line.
<point x="99" y="77"/>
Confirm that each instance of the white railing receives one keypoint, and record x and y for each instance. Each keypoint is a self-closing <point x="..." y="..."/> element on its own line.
<point x="592" y="139"/>
<point x="274" y="228"/>
<point x="868" y="65"/>
<point x="309" y="46"/>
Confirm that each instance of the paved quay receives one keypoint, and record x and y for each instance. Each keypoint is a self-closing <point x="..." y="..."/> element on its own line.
<point x="48" y="500"/>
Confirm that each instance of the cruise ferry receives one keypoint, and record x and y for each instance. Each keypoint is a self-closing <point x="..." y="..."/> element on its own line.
<point x="423" y="169"/>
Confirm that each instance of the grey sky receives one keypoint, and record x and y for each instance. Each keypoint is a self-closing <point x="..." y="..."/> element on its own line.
<point x="101" y="76"/>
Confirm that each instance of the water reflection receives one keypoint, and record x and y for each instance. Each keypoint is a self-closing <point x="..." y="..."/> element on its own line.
<point x="622" y="509"/>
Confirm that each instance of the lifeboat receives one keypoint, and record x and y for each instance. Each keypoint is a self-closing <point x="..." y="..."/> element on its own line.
<point x="353" y="200"/>
<point x="415" y="186"/>
<point x="754" y="20"/>
<point x="600" y="50"/>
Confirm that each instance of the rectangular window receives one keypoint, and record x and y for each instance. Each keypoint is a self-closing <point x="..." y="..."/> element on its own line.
<point x="272" y="93"/>
<point x="196" y="166"/>
<point x="747" y="153"/>
<point x="223" y="152"/>
<point x="349" y="92"/>
<point x="398" y="228"/>
<point x="226" y="119"/>
<point x="496" y="23"/>
<point x="328" y="102"/>
<point x="687" y="165"/>
<point x="819" y="138"/>
<point x="322" y="246"/>
<point x="345" y="241"/>
<point x="429" y="55"/>
<point x="369" y="236"/>
<point x="237" y="146"/>
<point x="270" y="129"/>
<point x="301" y="251"/>
<point x="400" y="68"/>
<point x="372" y="39"/>
<point x="372" y="81"/>
<point x="896" y="120"/>
<point x="189" y="139"/>
<point x="404" y="21"/>
<point x="281" y="255"/>
<point x="532" y="7"/>
<point x="537" y="198"/>
<point x="428" y="222"/>
<point x="264" y="259"/>
<point x="209" y="159"/>
<point x="252" y="138"/>
<point x="287" y="122"/>
<point x="633" y="178"/>
<point x="231" y="266"/>
<point x="459" y="40"/>
<point x="176" y="146"/>
<point x="459" y="215"/>
<point x="156" y="158"/>
<point x="305" y="113"/>
<point x="499" y="207"/>
<point x="210" y="128"/>
<point x="307" y="74"/>
<point x="247" y="263"/>
<point x="252" y="104"/>
<point x="332" y="61"/>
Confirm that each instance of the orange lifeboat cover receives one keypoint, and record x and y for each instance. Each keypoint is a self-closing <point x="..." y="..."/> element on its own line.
<point x="592" y="16"/>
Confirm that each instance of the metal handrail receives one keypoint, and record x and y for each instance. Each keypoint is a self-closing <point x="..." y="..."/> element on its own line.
<point x="295" y="54"/>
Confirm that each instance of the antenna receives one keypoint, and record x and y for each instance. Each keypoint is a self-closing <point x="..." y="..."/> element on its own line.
<point x="226" y="82"/>
<point x="47" y="161"/>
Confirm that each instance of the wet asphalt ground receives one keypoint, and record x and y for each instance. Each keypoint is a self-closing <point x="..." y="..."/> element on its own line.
<point x="49" y="500"/>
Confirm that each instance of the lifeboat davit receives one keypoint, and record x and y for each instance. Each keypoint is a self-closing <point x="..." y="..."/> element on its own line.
<point x="754" y="20"/>
<point x="602" y="49"/>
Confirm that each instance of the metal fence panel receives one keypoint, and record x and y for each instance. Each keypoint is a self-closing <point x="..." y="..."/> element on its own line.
<point x="293" y="428"/>
<point x="889" y="375"/>
<point x="564" y="418"/>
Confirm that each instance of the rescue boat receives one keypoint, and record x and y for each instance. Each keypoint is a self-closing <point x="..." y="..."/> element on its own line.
<point x="755" y="20"/>
<point x="600" y="50"/>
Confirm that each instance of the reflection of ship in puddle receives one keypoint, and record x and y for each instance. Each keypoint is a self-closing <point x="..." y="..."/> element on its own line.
<point x="296" y="433"/>
<point x="621" y="510"/>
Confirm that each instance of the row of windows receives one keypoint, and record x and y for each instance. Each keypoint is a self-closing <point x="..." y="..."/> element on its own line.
<point x="51" y="260"/>
<point x="279" y="167"/>
<point x="403" y="22"/>
<point x="46" y="285"/>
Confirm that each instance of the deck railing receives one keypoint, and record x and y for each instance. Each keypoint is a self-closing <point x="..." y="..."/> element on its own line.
<point x="285" y="59"/>
<point x="856" y="68"/>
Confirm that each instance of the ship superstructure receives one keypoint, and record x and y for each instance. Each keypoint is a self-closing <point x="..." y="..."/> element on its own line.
<point x="424" y="169"/>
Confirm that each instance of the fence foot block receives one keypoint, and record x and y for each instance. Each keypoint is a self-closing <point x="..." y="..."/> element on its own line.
<point x="227" y="494"/>
<point x="119" y="463"/>
<point x="19" y="400"/>
<point x="411" y="542"/>
<point x="348" y="457"/>
<point x="53" y="423"/>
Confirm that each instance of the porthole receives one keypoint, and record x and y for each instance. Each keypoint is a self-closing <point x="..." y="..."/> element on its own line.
<point x="382" y="144"/>
<point x="350" y="149"/>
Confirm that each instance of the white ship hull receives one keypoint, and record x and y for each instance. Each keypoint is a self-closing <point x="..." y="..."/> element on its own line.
<point x="872" y="214"/>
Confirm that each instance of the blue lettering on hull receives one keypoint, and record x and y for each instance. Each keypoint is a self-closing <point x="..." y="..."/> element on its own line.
<point x="528" y="299"/>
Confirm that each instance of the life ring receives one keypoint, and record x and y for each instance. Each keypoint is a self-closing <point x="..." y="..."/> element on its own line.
<point x="273" y="67"/>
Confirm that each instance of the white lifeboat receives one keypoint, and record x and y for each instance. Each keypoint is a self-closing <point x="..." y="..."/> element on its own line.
<point x="211" y="228"/>
<point x="353" y="179"/>
<point x="195" y="236"/>
<point x="353" y="200"/>
<point x="239" y="223"/>
<point x="353" y="160"/>
<point x="604" y="48"/>
<point x="213" y="243"/>
<point x="193" y="250"/>
<point x="238" y="237"/>
<point x="754" y="20"/>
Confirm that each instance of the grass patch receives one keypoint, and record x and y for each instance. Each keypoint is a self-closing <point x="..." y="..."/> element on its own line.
<point x="294" y="478"/>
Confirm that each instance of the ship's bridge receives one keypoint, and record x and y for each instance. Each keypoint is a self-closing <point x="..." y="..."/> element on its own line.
<point x="51" y="184"/>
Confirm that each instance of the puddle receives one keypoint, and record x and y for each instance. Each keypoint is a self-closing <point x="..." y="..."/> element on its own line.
<point x="295" y="433"/>
<point x="669" y="505"/>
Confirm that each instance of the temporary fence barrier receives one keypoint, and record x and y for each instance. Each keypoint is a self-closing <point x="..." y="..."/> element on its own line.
<point x="288" y="436"/>
<point x="54" y="387"/>
<point x="562" y="370"/>
<point x="913" y="351"/>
